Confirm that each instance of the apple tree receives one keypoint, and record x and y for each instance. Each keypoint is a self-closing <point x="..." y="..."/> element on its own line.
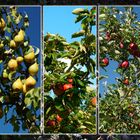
<point x="19" y="91"/>
<point x="70" y="99"/>
<point x="119" y="35"/>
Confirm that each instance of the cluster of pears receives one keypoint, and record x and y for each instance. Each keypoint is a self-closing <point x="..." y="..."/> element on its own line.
<point x="26" y="84"/>
<point x="19" y="38"/>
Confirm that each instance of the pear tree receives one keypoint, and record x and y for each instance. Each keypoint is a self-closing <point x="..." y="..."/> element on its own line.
<point x="19" y="91"/>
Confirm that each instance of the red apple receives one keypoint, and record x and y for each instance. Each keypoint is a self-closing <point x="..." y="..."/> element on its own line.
<point x="93" y="101"/>
<point x="124" y="64"/>
<point x="67" y="86"/>
<point x="121" y="45"/>
<point x="133" y="46"/>
<point x="126" y="82"/>
<point x="58" y="118"/>
<point x="58" y="89"/>
<point x="134" y="50"/>
<point x="105" y="61"/>
<point x="70" y="80"/>
<point x="108" y="37"/>
<point x="51" y="123"/>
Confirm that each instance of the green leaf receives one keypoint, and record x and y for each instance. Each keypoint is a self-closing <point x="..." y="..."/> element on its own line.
<point x="7" y="38"/>
<point x="64" y="76"/>
<point x="27" y="101"/>
<point x="78" y="34"/>
<point x="80" y="17"/>
<point x="18" y="19"/>
<point x="31" y="49"/>
<point x="6" y="109"/>
<point x="10" y="75"/>
<point x="77" y="11"/>
<point x="82" y="127"/>
<point x="37" y="93"/>
<point x="88" y="123"/>
<point x="35" y="103"/>
<point x="102" y="77"/>
<point x="37" y="51"/>
<point x="8" y="19"/>
<point x="29" y="115"/>
<point x="80" y="83"/>
<point x="26" y="43"/>
<point x="48" y="110"/>
<point x="59" y="106"/>
<point x="16" y="127"/>
<point x="65" y="43"/>
<point x="26" y="24"/>
<point x="102" y="16"/>
<point x="1" y="99"/>
<point x="8" y="29"/>
<point x="28" y="97"/>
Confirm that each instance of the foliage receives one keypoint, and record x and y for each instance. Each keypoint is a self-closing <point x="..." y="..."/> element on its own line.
<point x="19" y="97"/>
<point x="68" y="81"/>
<point x="119" y="42"/>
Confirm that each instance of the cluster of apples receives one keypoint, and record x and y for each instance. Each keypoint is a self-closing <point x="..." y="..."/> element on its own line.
<point x="124" y="64"/>
<point x="13" y="64"/>
<point x="133" y="50"/>
<point x="59" y="89"/>
<point x="55" y="121"/>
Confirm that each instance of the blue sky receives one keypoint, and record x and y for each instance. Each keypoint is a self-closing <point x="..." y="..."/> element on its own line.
<point x="113" y="65"/>
<point x="34" y="33"/>
<point x="59" y="19"/>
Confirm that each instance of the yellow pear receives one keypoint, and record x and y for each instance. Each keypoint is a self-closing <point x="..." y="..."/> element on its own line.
<point x="33" y="69"/>
<point x="19" y="37"/>
<point x="13" y="44"/>
<point x="17" y="85"/>
<point x="2" y="23"/>
<point x="19" y="59"/>
<point x="1" y="45"/>
<point x="30" y="81"/>
<point x="12" y="64"/>
<point x="29" y="58"/>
